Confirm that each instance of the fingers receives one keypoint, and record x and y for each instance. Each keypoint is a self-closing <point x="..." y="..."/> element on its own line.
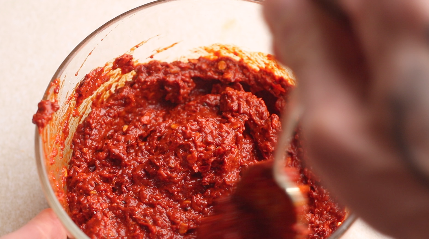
<point x="395" y="38"/>
<point x="306" y="37"/>
<point x="347" y="75"/>
<point x="44" y="226"/>
<point x="332" y="76"/>
<point x="383" y="26"/>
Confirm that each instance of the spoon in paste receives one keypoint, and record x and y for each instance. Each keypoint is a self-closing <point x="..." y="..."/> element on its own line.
<point x="267" y="203"/>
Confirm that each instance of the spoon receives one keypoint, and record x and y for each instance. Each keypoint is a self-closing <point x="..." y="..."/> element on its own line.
<point x="266" y="203"/>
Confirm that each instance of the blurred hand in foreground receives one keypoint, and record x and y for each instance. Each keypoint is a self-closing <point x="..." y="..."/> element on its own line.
<point x="365" y="86"/>
<point x="44" y="226"/>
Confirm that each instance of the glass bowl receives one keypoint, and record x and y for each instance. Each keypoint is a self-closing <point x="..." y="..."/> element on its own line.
<point x="146" y="31"/>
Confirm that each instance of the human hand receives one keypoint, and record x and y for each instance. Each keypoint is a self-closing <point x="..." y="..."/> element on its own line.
<point x="44" y="226"/>
<point x="364" y="87"/>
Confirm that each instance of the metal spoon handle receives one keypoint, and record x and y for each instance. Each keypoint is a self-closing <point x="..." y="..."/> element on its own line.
<point x="291" y="116"/>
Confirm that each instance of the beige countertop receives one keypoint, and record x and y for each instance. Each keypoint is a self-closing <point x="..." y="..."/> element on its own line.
<point x="35" y="37"/>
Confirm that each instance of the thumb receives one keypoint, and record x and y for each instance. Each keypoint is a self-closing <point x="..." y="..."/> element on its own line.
<point x="44" y="226"/>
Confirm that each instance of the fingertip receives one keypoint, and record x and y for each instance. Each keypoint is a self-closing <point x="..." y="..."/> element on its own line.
<point x="285" y="15"/>
<point x="288" y="22"/>
<point x="49" y="224"/>
<point x="275" y="9"/>
<point x="45" y="225"/>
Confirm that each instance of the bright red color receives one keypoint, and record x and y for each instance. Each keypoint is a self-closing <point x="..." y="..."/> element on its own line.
<point x="150" y="161"/>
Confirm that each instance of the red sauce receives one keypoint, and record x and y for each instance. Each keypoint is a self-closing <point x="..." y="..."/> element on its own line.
<point x="90" y="83"/>
<point x="324" y="215"/>
<point x="45" y="110"/>
<point x="163" y="49"/>
<point x="258" y="208"/>
<point x="151" y="160"/>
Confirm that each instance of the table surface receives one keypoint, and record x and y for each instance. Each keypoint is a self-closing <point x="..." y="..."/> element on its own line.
<point x="35" y="37"/>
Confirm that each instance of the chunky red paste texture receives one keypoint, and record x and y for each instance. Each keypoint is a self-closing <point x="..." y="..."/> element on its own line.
<point x="324" y="215"/>
<point x="45" y="110"/>
<point x="151" y="160"/>
<point x="258" y="208"/>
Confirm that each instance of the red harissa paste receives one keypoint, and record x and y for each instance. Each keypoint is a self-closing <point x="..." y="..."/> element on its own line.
<point x="150" y="161"/>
